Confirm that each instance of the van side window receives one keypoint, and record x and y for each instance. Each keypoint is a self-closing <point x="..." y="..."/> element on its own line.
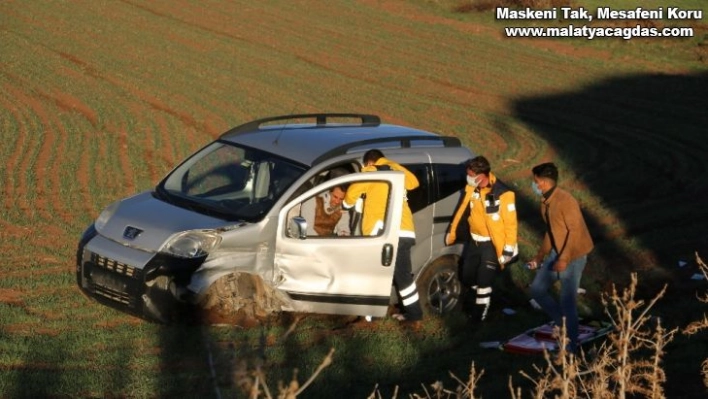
<point x="451" y="179"/>
<point x="421" y="196"/>
<point x="331" y="173"/>
<point x="324" y="213"/>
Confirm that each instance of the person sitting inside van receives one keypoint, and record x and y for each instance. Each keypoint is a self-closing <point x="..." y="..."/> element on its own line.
<point x="324" y="214"/>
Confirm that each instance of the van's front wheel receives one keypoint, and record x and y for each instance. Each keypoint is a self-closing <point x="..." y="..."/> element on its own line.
<point x="240" y="299"/>
<point x="439" y="287"/>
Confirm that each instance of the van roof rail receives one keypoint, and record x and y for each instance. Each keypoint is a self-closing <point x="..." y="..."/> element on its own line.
<point x="321" y="120"/>
<point x="402" y="141"/>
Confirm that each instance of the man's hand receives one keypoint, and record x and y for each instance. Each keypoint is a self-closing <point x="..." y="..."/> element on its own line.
<point x="560" y="265"/>
<point x="533" y="263"/>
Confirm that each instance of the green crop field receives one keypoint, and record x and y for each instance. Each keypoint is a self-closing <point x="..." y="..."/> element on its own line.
<point x="99" y="99"/>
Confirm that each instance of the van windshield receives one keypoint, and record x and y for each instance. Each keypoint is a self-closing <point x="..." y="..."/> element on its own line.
<point x="230" y="182"/>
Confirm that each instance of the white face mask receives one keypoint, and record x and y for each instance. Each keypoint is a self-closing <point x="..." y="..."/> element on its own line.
<point x="535" y="189"/>
<point x="473" y="181"/>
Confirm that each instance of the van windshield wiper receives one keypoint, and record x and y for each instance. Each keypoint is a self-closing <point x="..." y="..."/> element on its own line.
<point x="182" y="202"/>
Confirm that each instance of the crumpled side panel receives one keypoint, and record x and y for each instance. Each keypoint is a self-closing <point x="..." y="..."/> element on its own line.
<point x="241" y="299"/>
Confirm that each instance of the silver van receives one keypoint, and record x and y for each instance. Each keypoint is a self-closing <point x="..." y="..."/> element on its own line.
<point x="222" y="232"/>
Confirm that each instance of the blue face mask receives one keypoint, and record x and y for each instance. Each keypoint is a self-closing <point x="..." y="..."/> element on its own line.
<point x="535" y="189"/>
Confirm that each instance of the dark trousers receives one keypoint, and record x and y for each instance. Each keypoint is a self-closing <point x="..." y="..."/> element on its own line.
<point x="478" y="271"/>
<point x="403" y="280"/>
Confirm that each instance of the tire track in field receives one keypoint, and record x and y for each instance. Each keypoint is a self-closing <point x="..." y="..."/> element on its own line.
<point x="131" y="90"/>
<point x="57" y="153"/>
<point x="153" y="102"/>
<point x="124" y="157"/>
<point x="42" y="184"/>
<point x="461" y="95"/>
<point x="11" y="162"/>
<point x="428" y="87"/>
<point x="123" y="141"/>
<point x="93" y="164"/>
<point x="51" y="158"/>
<point x="207" y="24"/>
<point x="81" y="168"/>
<point x="83" y="177"/>
<point x="168" y="153"/>
<point x="20" y="160"/>
<point x="149" y="144"/>
<point x="124" y="184"/>
<point x="412" y="12"/>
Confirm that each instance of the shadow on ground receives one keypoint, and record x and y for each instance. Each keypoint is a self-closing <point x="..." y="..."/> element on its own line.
<point x="638" y="145"/>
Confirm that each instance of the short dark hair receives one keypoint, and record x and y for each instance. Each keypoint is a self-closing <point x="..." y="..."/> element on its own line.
<point x="547" y="170"/>
<point x="337" y="172"/>
<point x="372" y="156"/>
<point x="478" y="164"/>
<point x="342" y="187"/>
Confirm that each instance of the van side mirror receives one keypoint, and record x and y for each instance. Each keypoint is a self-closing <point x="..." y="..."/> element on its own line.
<point x="297" y="228"/>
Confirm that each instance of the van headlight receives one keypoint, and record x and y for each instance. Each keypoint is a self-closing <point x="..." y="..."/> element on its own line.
<point x="105" y="216"/>
<point x="191" y="244"/>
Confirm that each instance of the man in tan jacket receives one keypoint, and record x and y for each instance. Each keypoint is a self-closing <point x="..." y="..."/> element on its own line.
<point x="563" y="253"/>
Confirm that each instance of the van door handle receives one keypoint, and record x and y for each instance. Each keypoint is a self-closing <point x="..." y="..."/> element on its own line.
<point x="387" y="255"/>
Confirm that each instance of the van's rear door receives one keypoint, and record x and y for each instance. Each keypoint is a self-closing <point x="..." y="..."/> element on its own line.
<point x="340" y="275"/>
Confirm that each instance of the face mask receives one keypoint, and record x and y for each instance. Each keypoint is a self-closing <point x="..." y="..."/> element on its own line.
<point x="473" y="181"/>
<point x="535" y="189"/>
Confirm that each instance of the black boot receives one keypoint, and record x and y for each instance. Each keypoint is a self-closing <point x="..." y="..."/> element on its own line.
<point x="478" y="313"/>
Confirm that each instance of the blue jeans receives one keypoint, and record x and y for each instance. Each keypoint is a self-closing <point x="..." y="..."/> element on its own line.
<point x="570" y="282"/>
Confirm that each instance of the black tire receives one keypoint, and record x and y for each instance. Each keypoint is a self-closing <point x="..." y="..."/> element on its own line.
<point x="439" y="287"/>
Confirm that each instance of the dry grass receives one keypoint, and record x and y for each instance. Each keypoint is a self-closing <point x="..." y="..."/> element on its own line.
<point x="700" y="325"/>
<point x="627" y="365"/>
<point x="253" y="381"/>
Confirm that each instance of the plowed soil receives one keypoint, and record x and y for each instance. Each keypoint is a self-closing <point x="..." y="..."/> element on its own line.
<point x="98" y="100"/>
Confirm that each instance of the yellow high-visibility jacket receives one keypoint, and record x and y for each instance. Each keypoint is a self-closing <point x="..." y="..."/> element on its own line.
<point x="374" y="210"/>
<point x="498" y="218"/>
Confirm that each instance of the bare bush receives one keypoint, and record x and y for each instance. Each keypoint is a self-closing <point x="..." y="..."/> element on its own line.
<point x="700" y="325"/>
<point x="463" y="390"/>
<point x="252" y="381"/>
<point x="636" y="375"/>
<point x="628" y="363"/>
<point x="250" y="378"/>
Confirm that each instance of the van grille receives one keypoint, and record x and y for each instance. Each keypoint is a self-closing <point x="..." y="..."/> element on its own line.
<point x="114" y="266"/>
<point x="116" y="281"/>
<point x="120" y="297"/>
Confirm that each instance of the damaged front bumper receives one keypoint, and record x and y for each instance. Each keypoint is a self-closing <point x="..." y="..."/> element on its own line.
<point x="145" y="284"/>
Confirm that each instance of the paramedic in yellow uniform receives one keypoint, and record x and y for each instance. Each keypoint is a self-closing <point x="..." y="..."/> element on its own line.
<point x="486" y="220"/>
<point x="375" y="196"/>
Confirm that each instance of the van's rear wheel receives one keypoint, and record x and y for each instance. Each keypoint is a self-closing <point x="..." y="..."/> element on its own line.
<point x="439" y="288"/>
<point x="238" y="299"/>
